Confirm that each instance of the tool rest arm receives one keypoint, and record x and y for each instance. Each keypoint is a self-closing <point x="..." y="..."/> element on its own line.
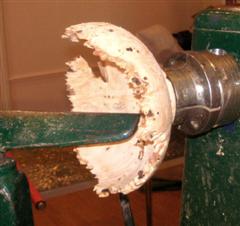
<point x="43" y="129"/>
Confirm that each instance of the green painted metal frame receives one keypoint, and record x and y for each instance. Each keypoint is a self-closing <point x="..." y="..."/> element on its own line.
<point x="15" y="203"/>
<point x="211" y="184"/>
<point x="36" y="129"/>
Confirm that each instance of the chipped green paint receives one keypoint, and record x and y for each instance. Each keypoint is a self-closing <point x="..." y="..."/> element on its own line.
<point x="211" y="184"/>
<point x="34" y="129"/>
<point x="217" y="28"/>
<point x="15" y="204"/>
<point x="225" y="19"/>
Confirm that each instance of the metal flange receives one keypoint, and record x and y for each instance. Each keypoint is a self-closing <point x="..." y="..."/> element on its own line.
<point x="207" y="89"/>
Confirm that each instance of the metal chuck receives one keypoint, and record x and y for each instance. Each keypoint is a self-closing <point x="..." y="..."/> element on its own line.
<point x="207" y="89"/>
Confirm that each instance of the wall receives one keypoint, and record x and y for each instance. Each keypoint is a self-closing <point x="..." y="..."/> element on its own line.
<point x="36" y="54"/>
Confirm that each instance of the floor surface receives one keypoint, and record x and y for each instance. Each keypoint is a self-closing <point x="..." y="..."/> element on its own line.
<point x="84" y="208"/>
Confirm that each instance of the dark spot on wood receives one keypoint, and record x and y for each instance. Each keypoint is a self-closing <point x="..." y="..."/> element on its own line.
<point x="138" y="51"/>
<point x="107" y="148"/>
<point x="140" y="155"/>
<point x="145" y="78"/>
<point x="143" y="143"/>
<point x="140" y="174"/>
<point x="138" y="96"/>
<point x="108" y="96"/>
<point x="150" y="113"/>
<point x="130" y="85"/>
<point x="105" y="190"/>
<point x="110" y="30"/>
<point x="158" y="113"/>
<point x="136" y="80"/>
<point x="129" y="49"/>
